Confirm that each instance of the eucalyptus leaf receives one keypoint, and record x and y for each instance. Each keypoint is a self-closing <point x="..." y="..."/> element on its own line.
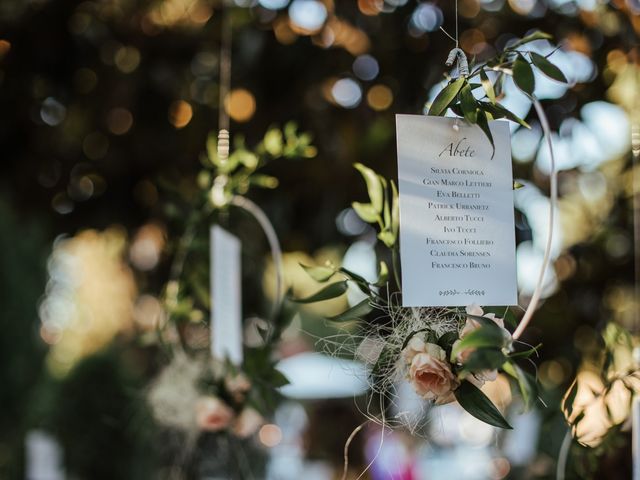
<point x="483" y="123"/>
<point x="523" y="75"/>
<point x="468" y="103"/>
<point x="548" y="68"/>
<point x="478" y="404"/>
<point x="498" y="111"/>
<point x="366" y="212"/>
<point x="488" y="86"/>
<point x="446" y="96"/>
<point x="354" y="313"/>
<point x="332" y="290"/>
<point x="319" y="274"/>
<point x="374" y="186"/>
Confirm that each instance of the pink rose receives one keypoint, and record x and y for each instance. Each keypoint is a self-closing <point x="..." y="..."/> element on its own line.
<point x="247" y="423"/>
<point x="429" y="371"/>
<point x="212" y="414"/>
<point x="471" y="324"/>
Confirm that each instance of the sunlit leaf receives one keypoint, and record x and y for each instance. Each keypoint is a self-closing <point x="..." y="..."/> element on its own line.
<point x="478" y="404"/>
<point x="383" y="274"/>
<point x="548" y="68"/>
<point x="273" y="142"/>
<point x="523" y="75"/>
<point x="488" y="86"/>
<point x="395" y="209"/>
<point x="354" y="313"/>
<point x="332" y="290"/>
<point x="319" y="274"/>
<point x="468" y="103"/>
<point x="366" y="212"/>
<point x="446" y="96"/>
<point x="498" y="111"/>
<point x="374" y="186"/>
<point x="526" y="383"/>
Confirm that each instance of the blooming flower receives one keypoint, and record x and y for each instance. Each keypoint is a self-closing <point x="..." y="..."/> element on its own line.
<point x="212" y="414"/>
<point x="471" y="324"/>
<point x="429" y="371"/>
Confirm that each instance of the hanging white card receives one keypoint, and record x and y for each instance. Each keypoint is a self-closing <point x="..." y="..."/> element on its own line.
<point x="226" y="298"/>
<point x="457" y="236"/>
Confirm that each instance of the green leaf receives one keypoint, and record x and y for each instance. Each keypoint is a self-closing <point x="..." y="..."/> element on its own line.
<point x="483" y="123"/>
<point x="445" y="97"/>
<point x="374" y="186"/>
<point x="366" y="212"/>
<point x="360" y="281"/>
<point x="567" y="403"/>
<point x="387" y="237"/>
<point x="273" y="142"/>
<point x="468" y="103"/>
<point x="319" y="274"/>
<point x="488" y="86"/>
<point x="278" y="379"/>
<point x="526" y="383"/>
<point x="354" y="313"/>
<point x="523" y="75"/>
<point x="446" y="340"/>
<point x="478" y="404"/>
<point x="498" y="111"/>
<point x="383" y="275"/>
<point x="530" y="38"/>
<point x="332" y="290"/>
<point x="548" y="68"/>
<point x="484" y="359"/>
<point x="483" y="337"/>
<point x="517" y="185"/>
<point x="263" y="181"/>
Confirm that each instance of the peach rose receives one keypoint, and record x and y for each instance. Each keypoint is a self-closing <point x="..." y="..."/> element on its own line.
<point x="471" y="324"/>
<point x="429" y="371"/>
<point x="212" y="414"/>
<point x="247" y="423"/>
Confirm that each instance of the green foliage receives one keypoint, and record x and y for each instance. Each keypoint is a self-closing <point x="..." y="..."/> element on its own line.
<point x="383" y="209"/>
<point x="224" y="178"/>
<point x="458" y="95"/>
<point x="478" y="404"/>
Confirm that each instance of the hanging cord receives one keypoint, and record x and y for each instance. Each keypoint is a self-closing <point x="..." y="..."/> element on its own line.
<point x="457" y="55"/>
<point x="225" y="65"/>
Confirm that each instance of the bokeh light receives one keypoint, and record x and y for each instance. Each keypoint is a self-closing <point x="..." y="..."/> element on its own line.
<point x="240" y="104"/>
<point x="180" y="113"/>
<point x="379" y="97"/>
<point x="346" y="93"/>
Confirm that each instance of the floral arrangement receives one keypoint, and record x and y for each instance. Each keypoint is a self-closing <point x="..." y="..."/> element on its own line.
<point x="446" y="354"/>
<point x="196" y="393"/>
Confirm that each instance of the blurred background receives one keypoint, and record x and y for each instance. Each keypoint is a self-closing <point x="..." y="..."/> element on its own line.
<point x="105" y="107"/>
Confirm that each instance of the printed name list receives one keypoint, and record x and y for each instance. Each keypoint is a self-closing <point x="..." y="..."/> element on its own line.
<point x="457" y="239"/>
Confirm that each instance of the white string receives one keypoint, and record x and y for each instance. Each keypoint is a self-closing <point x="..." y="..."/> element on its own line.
<point x="563" y="456"/>
<point x="553" y="199"/>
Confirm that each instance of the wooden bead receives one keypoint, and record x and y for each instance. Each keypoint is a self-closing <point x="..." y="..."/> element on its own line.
<point x="223" y="145"/>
